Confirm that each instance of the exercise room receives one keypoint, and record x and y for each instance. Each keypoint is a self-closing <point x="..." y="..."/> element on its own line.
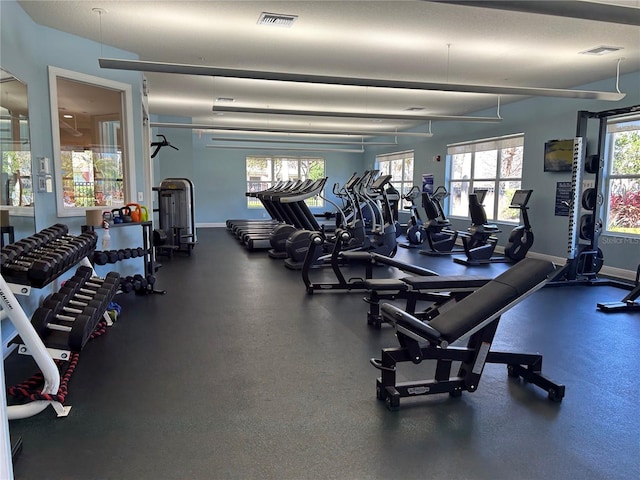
<point x="319" y="240"/>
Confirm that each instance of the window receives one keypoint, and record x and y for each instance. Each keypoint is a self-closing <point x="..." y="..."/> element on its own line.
<point x="16" y="187"/>
<point x="400" y="167"/>
<point x="93" y="154"/>
<point x="264" y="172"/>
<point x="623" y="176"/>
<point x="492" y="164"/>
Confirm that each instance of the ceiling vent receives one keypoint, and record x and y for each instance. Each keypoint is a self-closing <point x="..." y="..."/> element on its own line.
<point x="276" y="19"/>
<point x="415" y="109"/>
<point x="601" y="50"/>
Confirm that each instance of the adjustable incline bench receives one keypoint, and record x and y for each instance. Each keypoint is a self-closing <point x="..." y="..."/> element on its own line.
<point x="471" y="323"/>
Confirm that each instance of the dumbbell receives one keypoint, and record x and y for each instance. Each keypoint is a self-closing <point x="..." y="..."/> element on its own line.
<point x="82" y="243"/>
<point x="133" y="252"/>
<point x="65" y="297"/>
<point x="72" y="294"/>
<point x="135" y="284"/>
<point x="140" y="282"/>
<point x="100" y="257"/>
<point x="14" y="253"/>
<point x="112" y="256"/>
<point x="126" y="253"/>
<point x="23" y="249"/>
<point x="82" y="325"/>
<point x="58" y="305"/>
<point x="36" y="270"/>
<point x="73" y="249"/>
<point x="125" y="285"/>
<point x="92" y="281"/>
<point x="89" y="275"/>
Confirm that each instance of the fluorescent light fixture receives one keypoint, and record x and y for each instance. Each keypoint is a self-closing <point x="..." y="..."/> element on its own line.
<point x="290" y="149"/>
<point x="311" y="132"/>
<point x="225" y="99"/>
<point x="302" y="141"/>
<point x="186" y="69"/>
<point x="67" y="115"/>
<point x="382" y="116"/>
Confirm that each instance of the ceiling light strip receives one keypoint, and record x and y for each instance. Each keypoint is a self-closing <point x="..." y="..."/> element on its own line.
<point x="186" y="69"/>
<point x="302" y="140"/>
<point x="289" y="149"/>
<point x="381" y="116"/>
<point x="343" y="132"/>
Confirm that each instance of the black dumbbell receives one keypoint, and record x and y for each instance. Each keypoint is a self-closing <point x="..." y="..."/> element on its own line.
<point x="100" y="257"/>
<point x="70" y="297"/>
<point x="82" y="325"/>
<point x="70" y="250"/>
<point x="133" y="252"/>
<point x="141" y="283"/>
<point x="126" y="253"/>
<point x="17" y="252"/>
<point x="22" y="248"/>
<point x="72" y="294"/>
<point x="134" y="283"/>
<point x="58" y="306"/>
<point x="125" y="285"/>
<point x="91" y="281"/>
<point x="112" y="256"/>
<point x="37" y="271"/>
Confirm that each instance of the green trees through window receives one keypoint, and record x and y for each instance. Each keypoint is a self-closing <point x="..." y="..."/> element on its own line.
<point x="623" y="214"/>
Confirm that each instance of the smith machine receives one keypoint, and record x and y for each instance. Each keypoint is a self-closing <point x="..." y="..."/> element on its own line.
<point x="585" y="258"/>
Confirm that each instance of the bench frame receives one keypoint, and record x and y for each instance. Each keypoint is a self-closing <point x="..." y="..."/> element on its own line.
<point x="473" y="354"/>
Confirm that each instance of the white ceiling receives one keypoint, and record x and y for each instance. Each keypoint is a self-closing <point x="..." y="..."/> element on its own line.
<point x="392" y="40"/>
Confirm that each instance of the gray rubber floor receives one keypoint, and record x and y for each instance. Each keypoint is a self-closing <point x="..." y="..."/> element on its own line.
<point x="236" y="373"/>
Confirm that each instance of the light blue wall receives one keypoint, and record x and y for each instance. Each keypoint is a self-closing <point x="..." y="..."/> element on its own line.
<point x="540" y="119"/>
<point x="26" y="50"/>
<point x="219" y="175"/>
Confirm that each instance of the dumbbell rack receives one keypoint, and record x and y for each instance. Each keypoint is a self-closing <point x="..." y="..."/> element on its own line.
<point x="30" y="342"/>
<point x="148" y="256"/>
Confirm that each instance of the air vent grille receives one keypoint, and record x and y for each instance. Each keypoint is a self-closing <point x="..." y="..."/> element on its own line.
<point x="601" y="50"/>
<point x="276" y="19"/>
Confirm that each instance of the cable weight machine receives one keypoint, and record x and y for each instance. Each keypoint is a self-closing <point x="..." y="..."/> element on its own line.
<point x="585" y="258"/>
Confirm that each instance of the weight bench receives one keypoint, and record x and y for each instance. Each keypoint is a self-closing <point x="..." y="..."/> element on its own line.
<point x="443" y="291"/>
<point x="472" y="324"/>
<point x="366" y="259"/>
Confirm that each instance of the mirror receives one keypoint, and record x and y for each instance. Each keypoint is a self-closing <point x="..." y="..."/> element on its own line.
<point x="17" y="186"/>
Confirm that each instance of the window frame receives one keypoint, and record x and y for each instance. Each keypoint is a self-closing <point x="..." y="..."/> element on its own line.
<point x="253" y="203"/>
<point x="610" y="177"/>
<point x="501" y="143"/>
<point x="128" y="150"/>
<point x="403" y="186"/>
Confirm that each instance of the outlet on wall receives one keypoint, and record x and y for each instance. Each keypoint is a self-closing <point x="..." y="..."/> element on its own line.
<point x="140" y="197"/>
